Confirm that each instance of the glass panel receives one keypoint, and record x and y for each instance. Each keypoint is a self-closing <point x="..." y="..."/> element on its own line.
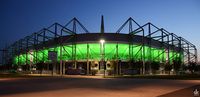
<point x="110" y="50"/>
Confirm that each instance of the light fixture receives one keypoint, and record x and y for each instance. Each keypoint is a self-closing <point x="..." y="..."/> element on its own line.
<point x="102" y="41"/>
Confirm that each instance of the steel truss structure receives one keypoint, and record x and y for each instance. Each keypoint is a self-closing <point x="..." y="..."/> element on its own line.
<point x="30" y="46"/>
<point x="151" y="31"/>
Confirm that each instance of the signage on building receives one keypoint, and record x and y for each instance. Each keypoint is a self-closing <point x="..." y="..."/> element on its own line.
<point x="31" y="56"/>
<point x="52" y="55"/>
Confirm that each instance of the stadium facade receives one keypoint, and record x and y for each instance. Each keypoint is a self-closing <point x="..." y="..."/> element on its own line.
<point x="132" y="49"/>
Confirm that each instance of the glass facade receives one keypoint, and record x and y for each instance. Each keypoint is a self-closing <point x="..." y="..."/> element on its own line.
<point x="92" y="51"/>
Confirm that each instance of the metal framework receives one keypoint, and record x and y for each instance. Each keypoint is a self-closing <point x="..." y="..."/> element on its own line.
<point x="56" y="32"/>
<point x="168" y="40"/>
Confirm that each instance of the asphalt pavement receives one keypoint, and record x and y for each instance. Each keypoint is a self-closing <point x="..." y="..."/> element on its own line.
<point x="79" y="86"/>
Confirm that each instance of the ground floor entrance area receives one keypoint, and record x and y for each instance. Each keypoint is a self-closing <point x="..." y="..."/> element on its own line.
<point x="87" y="68"/>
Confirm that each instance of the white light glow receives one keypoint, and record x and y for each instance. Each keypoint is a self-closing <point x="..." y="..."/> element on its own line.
<point x="102" y="41"/>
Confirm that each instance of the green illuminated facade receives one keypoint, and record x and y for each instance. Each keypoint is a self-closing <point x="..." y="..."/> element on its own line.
<point x="140" y="49"/>
<point x="132" y="49"/>
<point x="92" y="52"/>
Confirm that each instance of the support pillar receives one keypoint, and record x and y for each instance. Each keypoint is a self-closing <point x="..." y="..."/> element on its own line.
<point x="117" y="67"/>
<point x="61" y="60"/>
<point x="120" y="67"/>
<point x="75" y="65"/>
<point x="64" y="68"/>
<point x="48" y="66"/>
<point x="143" y="60"/>
<point x="88" y="68"/>
<point x="61" y="63"/>
<point x="88" y="65"/>
<point x="54" y="68"/>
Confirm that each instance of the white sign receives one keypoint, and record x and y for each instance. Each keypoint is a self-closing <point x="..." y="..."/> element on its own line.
<point x="167" y="57"/>
<point x="52" y="55"/>
<point x="31" y="56"/>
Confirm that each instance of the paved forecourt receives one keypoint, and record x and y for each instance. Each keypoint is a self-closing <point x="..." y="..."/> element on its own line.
<point x="81" y="86"/>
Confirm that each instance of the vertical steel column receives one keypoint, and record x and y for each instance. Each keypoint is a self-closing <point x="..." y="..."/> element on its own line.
<point x="36" y="37"/>
<point x="44" y="34"/>
<point x="75" y="57"/>
<point x="74" y="54"/>
<point x="43" y="48"/>
<point x="132" y="52"/>
<point x="74" y="30"/>
<point x="143" y="53"/>
<point x="129" y="55"/>
<point x="196" y="60"/>
<point x="149" y="29"/>
<point x="18" y="53"/>
<point x="101" y="55"/>
<point x="180" y="50"/>
<point x="61" y="61"/>
<point x="88" y="67"/>
<point x="26" y="52"/>
<point x="55" y="35"/>
<point x="130" y="26"/>
<point x="162" y="46"/>
<point x="188" y="52"/>
<point x="102" y="44"/>
<point x="130" y="30"/>
<point x="117" y="56"/>
<point x="149" y="43"/>
<point x="2" y="57"/>
<point x="172" y="40"/>
<point x="61" y="51"/>
<point x="64" y="67"/>
<point x="168" y="51"/>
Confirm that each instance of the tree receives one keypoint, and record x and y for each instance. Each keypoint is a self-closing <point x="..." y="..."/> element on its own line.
<point x="155" y="65"/>
<point x="137" y="64"/>
<point x="176" y="65"/>
<point x="168" y="68"/>
<point x="192" y="66"/>
<point x="148" y="66"/>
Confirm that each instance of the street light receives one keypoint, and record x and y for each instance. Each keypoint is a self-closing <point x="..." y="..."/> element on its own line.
<point x="102" y="41"/>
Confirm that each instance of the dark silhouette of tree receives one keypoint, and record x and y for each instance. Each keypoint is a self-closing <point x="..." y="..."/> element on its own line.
<point x="137" y="64"/>
<point x="176" y="65"/>
<point x="148" y="66"/>
<point x="191" y="67"/>
<point x="155" y="65"/>
<point x="197" y="68"/>
<point x="168" y="68"/>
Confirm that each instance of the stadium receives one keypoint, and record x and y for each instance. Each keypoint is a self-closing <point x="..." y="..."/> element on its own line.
<point x="72" y="49"/>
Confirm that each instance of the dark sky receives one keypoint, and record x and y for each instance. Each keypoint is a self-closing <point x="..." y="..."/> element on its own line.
<point x="19" y="18"/>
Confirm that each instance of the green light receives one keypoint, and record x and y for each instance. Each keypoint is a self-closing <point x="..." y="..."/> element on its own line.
<point x="112" y="51"/>
<point x="81" y="51"/>
<point x="123" y="51"/>
<point x="94" y="51"/>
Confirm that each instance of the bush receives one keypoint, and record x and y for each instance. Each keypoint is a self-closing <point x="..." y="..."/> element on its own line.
<point x="192" y="67"/>
<point x="177" y="65"/>
<point x="155" y="65"/>
<point x="137" y="64"/>
<point x="168" y="67"/>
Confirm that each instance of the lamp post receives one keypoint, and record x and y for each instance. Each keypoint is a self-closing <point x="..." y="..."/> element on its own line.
<point x="102" y="41"/>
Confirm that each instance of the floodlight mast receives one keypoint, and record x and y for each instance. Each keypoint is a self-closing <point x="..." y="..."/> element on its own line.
<point x="102" y="41"/>
<point x="102" y="24"/>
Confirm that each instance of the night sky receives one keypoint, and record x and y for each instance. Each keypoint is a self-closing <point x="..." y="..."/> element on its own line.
<point x="20" y="18"/>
